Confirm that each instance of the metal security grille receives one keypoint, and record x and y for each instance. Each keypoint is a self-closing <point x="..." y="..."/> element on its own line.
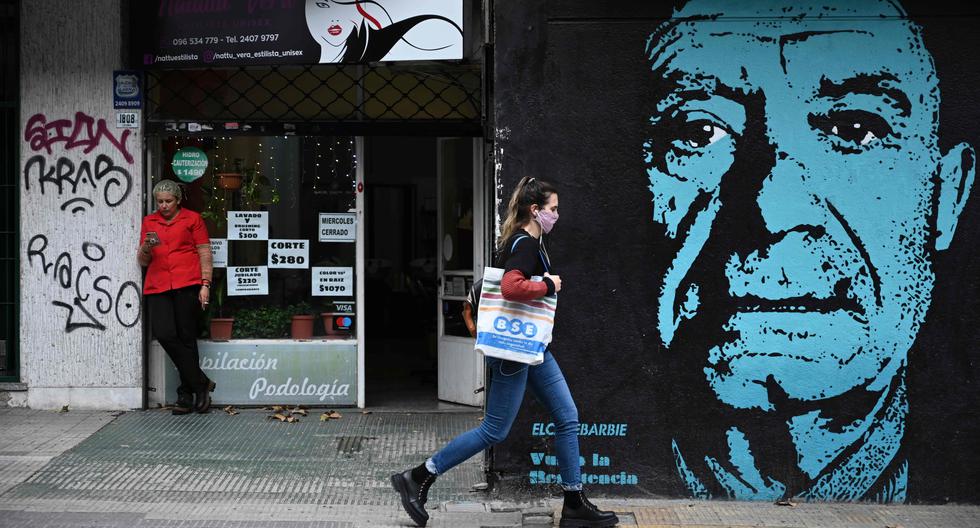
<point x="9" y="190"/>
<point x="353" y="99"/>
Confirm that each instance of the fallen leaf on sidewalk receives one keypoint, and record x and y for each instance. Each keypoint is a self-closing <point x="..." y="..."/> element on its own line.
<point x="299" y="411"/>
<point x="334" y="415"/>
<point x="329" y="415"/>
<point x="230" y="410"/>
<point x="786" y="503"/>
<point x="292" y="419"/>
<point x="279" y="416"/>
<point x="64" y="409"/>
<point x="366" y="412"/>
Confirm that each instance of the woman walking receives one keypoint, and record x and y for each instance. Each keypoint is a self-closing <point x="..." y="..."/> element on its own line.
<point x="176" y="251"/>
<point x="532" y="213"/>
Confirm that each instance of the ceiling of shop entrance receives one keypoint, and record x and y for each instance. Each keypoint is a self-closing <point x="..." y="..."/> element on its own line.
<point x="298" y="97"/>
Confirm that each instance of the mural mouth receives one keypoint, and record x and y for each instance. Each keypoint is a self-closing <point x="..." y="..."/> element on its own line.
<point x="335" y="30"/>
<point x="800" y="304"/>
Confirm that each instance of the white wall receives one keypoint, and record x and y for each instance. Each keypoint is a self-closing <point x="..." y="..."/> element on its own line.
<point x="81" y="328"/>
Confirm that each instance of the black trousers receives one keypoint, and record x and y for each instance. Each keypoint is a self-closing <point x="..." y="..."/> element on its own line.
<point x="173" y="320"/>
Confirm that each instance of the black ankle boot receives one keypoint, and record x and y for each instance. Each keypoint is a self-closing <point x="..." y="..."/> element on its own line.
<point x="413" y="486"/>
<point x="184" y="403"/>
<point x="578" y="512"/>
<point x="202" y="397"/>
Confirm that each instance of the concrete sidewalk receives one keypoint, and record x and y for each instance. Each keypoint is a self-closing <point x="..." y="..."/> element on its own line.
<point x="151" y="469"/>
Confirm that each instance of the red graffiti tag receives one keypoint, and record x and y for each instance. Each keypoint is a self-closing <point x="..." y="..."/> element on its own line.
<point x="84" y="132"/>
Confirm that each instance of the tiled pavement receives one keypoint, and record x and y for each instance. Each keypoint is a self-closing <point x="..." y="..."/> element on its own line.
<point x="30" y="439"/>
<point x="150" y="469"/>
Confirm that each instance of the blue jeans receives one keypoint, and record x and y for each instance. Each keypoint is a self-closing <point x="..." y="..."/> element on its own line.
<point x="508" y="381"/>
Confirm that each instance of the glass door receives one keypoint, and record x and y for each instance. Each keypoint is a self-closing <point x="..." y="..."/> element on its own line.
<point x="461" y="242"/>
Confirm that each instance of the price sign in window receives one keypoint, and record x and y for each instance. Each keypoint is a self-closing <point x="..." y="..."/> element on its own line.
<point x="248" y="225"/>
<point x="219" y="252"/>
<point x="248" y="280"/>
<point x="333" y="282"/>
<point x="289" y="253"/>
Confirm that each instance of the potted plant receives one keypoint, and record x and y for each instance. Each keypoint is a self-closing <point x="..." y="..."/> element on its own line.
<point x="301" y="326"/>
<point x="265" y="322"/>
<point x="221" y="327"/>
<point x="230" y="179"/>
<point x="257" y="190"/>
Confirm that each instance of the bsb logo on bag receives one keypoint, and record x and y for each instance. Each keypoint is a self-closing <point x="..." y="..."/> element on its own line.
<point x="515" y="326"/>
<point x="513" y="330"/>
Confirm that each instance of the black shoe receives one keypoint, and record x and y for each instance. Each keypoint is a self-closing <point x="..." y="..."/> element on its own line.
<point x="578" y="512"/>
<point x="202" y="398"/>
<point x="184" y="404"/>
<point x="414" y="494"/>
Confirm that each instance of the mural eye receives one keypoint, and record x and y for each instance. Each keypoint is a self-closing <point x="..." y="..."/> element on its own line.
<point x="700" y="134"/>
<point x="854" y="127"/>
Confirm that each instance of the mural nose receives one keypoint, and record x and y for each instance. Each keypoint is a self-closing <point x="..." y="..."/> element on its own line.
<point x="787" y="203"/>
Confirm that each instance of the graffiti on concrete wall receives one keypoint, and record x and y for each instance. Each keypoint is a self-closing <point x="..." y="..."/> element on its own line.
<point x="63" y="174"/>
<point x="66" y="166"/>
<point x="795" y="167"/>
<point x="92" y="297"/>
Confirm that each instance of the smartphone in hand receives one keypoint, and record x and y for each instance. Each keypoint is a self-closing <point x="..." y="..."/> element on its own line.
<point x="152" y="238"/>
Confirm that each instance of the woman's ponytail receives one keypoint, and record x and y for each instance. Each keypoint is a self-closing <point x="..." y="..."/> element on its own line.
<point x="529" y="191"/>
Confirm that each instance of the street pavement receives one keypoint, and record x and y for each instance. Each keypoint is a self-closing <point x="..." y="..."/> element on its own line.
<point x="249" y="470"/>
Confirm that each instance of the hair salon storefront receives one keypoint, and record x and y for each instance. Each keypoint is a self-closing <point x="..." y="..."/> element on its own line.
<point x="335" y="151"/>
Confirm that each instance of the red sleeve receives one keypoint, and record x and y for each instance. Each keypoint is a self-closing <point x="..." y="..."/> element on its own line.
<point x="517" y="287"/>
<point x="200" y="232"/>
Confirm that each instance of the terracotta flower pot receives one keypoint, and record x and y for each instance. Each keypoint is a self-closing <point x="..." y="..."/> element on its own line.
<point x="338" y="324"/>
<point x="302" y="327"/>
<point x="229" y="180"/>
<point x="221" y="328"/>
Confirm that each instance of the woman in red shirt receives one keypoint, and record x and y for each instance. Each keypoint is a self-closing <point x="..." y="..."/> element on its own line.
<point x="176" y="251"/>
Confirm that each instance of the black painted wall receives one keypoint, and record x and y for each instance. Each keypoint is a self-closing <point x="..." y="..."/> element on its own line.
<point x="573" y="98"/>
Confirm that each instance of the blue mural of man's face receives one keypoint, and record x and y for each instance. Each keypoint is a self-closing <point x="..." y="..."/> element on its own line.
<point x="796" y="167"/>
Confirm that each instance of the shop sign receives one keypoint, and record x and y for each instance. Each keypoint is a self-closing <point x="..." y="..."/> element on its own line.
<point x="189" y="163"/>
<point x="248" y="280"/>
<point x="338" y="227"/>
<point x="219" y="252"/>
<point x="180" y="33"/>
<point x="333" y="282"/>
<point x="283" y="372"/>
<point x="248" y="225"/>
<point x="127" y="93"/>
<point x="289" y="254"/>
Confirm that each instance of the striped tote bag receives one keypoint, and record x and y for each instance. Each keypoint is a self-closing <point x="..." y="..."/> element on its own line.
<point x="513" y="330"/>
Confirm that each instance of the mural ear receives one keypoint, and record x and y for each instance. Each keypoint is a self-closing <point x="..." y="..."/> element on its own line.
<point x="956" y="171"/>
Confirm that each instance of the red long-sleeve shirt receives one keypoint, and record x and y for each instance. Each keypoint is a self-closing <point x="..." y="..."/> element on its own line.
<point x="521" y="261"/>
<point x="175" y="263"/>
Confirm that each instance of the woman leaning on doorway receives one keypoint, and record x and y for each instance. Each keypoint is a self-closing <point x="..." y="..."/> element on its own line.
<point x="176" y="251"/>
